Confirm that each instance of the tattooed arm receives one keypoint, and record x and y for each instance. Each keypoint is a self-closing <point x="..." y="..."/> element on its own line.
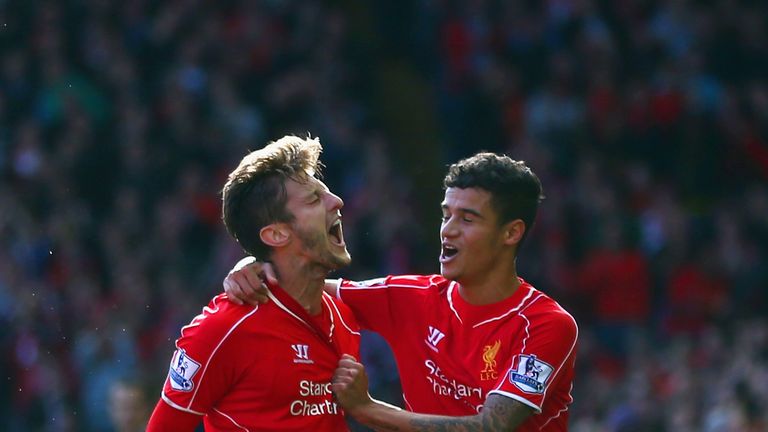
<point x="499" y="413"/>
<point x="350" y="385"/>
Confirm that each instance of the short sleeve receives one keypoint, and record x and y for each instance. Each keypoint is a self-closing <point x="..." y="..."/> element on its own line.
<point x="201" y="372"/>
<point x="546" y="357"/>
<point x="385" y="304"/>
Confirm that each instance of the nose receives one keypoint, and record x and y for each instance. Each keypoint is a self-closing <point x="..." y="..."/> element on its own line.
<point x="335" y="201"/>
<point x="448" y="228"/>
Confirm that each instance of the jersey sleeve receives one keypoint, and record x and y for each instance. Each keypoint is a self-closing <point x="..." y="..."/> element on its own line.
<point x="165" y="418"/>
<point x="385" y="304"/>
<point x="201" y="370"/>
<point x="547" y="355"/>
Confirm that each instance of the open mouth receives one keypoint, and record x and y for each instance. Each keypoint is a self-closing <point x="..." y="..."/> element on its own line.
<point x="447" y="252"/>
<point x="336" y="234"/>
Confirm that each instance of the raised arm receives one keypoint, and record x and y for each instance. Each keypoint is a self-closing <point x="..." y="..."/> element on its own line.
<point x="245" y="283"/>
<point x="350" y="385"/>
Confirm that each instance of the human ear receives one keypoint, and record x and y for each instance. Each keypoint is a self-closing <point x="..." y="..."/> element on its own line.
<point x="514" y="232"/>
<point x="275" y="235"/>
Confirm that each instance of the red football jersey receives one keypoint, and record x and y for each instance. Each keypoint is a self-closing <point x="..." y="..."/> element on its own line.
<point x="263" y="368"/>
<point x="452" y="355"/>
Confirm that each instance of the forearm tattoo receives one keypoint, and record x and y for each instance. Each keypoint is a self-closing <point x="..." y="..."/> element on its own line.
<point x="499" y="414"/>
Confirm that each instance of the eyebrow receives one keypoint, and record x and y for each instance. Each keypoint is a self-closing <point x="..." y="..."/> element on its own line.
<point x="464" y="210"/>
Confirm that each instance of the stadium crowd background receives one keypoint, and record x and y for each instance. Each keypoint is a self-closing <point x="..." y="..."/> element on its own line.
<point x="647" y="122"/>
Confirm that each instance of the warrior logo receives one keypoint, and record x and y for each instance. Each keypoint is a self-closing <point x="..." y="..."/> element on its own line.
<point x="302" y="353"/>
<point x="434" y="337"/>
<point x="489" y="358"/>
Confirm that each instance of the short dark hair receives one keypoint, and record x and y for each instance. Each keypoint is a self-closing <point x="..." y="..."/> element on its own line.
<point x="515" y="190"/>
<point x="255" y="196"/>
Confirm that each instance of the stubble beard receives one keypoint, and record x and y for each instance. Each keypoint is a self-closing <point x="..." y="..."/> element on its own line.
<point x="317" y="245"/>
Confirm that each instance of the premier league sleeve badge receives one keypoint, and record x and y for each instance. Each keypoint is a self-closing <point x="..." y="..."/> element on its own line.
<point x="182" y="369"/>
<point x="530" y="374"/>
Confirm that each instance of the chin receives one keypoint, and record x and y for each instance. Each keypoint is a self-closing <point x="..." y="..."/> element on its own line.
<point x="448" y="274"/>
<point x="341" y="260"/>
<point x="345" y="260"/>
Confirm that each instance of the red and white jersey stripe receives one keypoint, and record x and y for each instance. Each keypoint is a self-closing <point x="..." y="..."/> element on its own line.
<point x="264" y="368"/>
<point x="452" y="354"/>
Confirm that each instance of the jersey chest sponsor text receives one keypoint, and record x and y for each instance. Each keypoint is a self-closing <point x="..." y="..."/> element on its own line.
<point x="443" y="384"/>
<point x="471" y="389"/>
<point x="312" y="396"/>
<point x="314" y="399"/>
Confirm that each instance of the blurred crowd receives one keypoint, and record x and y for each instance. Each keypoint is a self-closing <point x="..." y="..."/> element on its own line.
<point x="647" y="122"/>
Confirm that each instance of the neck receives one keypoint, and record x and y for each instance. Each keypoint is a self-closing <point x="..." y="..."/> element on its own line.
<point x="489" y="288"/>
<point x="302" y="283"/>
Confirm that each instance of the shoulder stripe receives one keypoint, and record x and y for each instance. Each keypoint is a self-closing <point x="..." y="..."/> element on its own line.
<point x="285" y="309"/>
<point x="403" y="281"/>
<point x="341" y="317"/>
<point x="410" y="286"/>
<point x="199" y="317"/>
<point x="232" y="420"/>
<point x="414" y="278"/>
<point x="167" y="400"/>
<point x="449" y="296"/>
<point x="386" y="286"/>
<point x="514" y="309"/>
<point x="527" y="333"/>
<point x="208" y="360"/>
<point x="330" y="314"/>
<point x="522" y="350"/>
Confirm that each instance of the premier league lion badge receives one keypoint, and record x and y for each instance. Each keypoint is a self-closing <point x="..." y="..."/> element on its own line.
<point x="182" y="369"/>
<point x="531" y="374"/>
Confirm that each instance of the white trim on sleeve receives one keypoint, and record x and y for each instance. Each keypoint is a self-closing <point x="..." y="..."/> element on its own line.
<point x="232" y="420"/>
<point x="178" y="407"/>
<point x="517" y="398"/>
